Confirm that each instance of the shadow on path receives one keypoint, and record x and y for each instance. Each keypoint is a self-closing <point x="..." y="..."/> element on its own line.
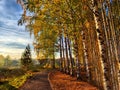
<point x="39" y="81"/>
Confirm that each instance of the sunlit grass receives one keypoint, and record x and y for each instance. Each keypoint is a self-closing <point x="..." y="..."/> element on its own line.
<point x="19" y="81"/>
<point x="12" y="79"/>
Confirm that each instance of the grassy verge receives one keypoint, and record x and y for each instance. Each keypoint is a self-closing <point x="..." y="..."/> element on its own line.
<point x="12" y="79"/>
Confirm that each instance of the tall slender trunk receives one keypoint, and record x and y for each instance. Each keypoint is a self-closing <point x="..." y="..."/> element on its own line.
<point x="67" y="59"/>
<point x="77" y="59"/>
<point x="61" y="59"/>
<point x="92" y="54"/>
<point x="81" y="56"/>
<point x="53" y="64"/>
<point x="114" y="48"/>
<point x="63" y="52"/>
<point x="71" y="59"/>
<point x="85" y="56"/>
<point x="101" y="41"/>
<point x="113" y="61"/>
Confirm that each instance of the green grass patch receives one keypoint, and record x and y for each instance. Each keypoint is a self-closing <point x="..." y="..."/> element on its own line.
<point x="12" y="79"/>
<point x="10" y="73"/>
<point x="6" y="86"/>
<point x="19" y="81"/>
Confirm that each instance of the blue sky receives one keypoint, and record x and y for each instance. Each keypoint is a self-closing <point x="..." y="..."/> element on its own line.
<point x="13" y="38"/>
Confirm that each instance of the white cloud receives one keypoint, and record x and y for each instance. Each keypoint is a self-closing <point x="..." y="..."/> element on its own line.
<point x="12" y="37"/>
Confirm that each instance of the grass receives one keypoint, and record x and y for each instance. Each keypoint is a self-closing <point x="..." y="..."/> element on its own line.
<point x="19" y="81"/>
<point x="9" y="73"/>
<point x="6" y="86"/>
<point x="12" y="79"/>
<point x="14" y="83"/>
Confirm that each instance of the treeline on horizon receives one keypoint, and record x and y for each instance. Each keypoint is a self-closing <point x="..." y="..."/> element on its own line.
<point x="8" y="62"/>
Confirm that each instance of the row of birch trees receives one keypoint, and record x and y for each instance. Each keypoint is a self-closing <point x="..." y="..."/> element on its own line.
<point x="86" y="33"/>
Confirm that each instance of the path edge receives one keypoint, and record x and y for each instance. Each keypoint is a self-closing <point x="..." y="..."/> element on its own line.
<point x="51" y="85"/>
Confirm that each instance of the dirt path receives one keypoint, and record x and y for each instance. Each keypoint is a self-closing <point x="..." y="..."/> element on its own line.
<point x="39" y="81"/>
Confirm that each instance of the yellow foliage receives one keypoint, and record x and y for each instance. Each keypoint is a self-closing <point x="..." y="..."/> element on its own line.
<point x="40" y="55"/>
<point x="56" y="1"/>
<point x="87" y="24"/>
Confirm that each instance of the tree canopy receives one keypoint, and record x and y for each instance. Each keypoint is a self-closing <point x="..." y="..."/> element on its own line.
<point x="85" y="33"/>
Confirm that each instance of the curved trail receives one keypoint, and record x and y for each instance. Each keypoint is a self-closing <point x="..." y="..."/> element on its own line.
<point x="39" y="81"/>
